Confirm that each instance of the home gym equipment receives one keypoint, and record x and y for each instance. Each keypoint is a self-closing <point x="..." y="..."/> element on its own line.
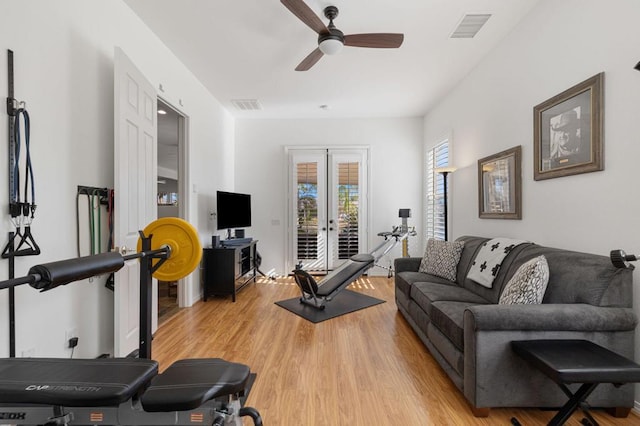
<point x="129" y="391"/>
<point x="581" y="362"/>
<point x="318" y="294"/>
<point x="405" y="214"/>
<point x="22" y="212"/>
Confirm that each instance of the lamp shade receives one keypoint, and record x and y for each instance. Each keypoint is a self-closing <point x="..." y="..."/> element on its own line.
<point x="330" y="46"/>
<point x="445" y="169"/>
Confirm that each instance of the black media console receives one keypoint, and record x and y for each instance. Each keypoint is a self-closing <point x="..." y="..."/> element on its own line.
<point x="228" y="269"/>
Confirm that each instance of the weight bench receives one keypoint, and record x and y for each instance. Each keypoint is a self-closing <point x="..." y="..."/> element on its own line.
<point x="122" y="391"/>
<point x="318" y="294"/>
<point x="576" y="361"/>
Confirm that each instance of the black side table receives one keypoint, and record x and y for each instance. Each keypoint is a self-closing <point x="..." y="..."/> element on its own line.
<point x="576" y="361"/>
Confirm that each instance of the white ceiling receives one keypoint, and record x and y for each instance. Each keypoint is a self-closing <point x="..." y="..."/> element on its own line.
<point x="248" y="49"/>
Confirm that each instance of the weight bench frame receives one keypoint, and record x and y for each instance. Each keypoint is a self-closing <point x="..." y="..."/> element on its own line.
<point x="576" y="361"/>
<point x="317" y="295"/>
<point x="122" y="391"/>
<point x="118" y="391"/>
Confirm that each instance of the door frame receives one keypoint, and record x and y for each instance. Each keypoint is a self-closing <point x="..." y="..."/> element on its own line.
<point x="289" y="250"/>
<point x="184" y="195"/>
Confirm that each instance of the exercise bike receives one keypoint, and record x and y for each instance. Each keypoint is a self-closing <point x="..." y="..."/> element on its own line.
<point x="124" y="391"/>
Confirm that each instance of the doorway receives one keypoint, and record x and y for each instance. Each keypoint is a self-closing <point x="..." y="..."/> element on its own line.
<point x="170" y="191"/>
<point x="328" y="207"/>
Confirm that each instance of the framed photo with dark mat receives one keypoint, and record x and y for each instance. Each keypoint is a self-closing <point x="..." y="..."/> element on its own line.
<point x="568" y="131"/>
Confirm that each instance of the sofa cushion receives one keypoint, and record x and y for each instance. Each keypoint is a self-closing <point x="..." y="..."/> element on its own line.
<point x="528" y="284"/>
<point x="448" y="317"/>
<point x="441" y="258"/>
<point x="425" y="293"/>
<point x="404" y="280"/>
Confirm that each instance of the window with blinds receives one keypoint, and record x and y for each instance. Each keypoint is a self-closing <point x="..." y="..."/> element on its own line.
<point x="438" y="156"/>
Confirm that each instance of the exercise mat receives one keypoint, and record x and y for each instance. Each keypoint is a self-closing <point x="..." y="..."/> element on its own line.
<point x="346" y="302"/>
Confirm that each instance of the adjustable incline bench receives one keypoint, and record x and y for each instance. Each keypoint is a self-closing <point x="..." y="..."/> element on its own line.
<point x="318" y="294"/>
<point x="124" y="391"/>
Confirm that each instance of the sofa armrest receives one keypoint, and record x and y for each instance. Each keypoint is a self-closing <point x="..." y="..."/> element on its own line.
<point x="550" y="317"/>
<point x="494" y="376"/>
<point x="410" y="264"/>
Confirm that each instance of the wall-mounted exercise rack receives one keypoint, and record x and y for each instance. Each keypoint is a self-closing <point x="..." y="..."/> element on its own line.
<point x="21" y="212"/>
<point x="97" y="198"/>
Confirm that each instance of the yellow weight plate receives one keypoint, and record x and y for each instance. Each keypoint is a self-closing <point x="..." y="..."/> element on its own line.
<point x="186" y="250"/>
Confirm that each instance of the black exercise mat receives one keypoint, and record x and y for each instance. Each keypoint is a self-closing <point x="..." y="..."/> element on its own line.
<point x="344" y="302"/>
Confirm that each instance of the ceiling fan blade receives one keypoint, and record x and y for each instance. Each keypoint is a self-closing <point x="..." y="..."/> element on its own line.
<point x="383" y="40"/>
<point x="310" y="60"/>
<point x="306" y="15"/>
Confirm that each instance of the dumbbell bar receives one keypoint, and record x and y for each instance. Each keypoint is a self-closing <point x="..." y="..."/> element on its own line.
<point x="175" y="244"/>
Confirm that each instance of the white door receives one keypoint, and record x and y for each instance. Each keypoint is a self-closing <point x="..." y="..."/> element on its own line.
<point x="135" y="176"/>
<point x="328" y="210"/>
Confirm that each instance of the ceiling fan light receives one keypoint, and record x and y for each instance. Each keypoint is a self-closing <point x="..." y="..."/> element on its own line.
<point x="330" y="46"/>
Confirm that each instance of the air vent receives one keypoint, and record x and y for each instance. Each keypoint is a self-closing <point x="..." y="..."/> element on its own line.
<point x="247" y="104"/>
<point x="470" y="25"/>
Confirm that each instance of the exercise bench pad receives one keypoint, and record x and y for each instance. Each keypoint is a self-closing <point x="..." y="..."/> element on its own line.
<point x="352" y="269"/>
<point x="189" y="383"/>
<point x="73" y="382"/>
<point x="578" y="361"/>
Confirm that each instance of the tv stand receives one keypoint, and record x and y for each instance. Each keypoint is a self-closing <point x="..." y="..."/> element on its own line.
<point x="229" y="269"/>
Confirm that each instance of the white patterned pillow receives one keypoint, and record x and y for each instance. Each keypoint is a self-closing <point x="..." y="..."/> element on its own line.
<point x="528" y="284"/>
<point x="441" y="258"/>
<point x="488" y="260"/>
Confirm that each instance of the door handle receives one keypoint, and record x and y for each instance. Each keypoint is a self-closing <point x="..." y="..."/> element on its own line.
<point x="124" y="250"/>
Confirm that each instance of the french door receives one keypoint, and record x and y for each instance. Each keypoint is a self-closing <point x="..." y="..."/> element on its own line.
<point x="328" y="206"/>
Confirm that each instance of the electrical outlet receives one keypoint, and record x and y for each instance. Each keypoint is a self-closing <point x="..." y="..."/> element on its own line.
<point x="69" y="334"/>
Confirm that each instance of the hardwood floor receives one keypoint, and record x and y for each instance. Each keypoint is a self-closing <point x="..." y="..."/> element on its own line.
<point x="364" y="368"/>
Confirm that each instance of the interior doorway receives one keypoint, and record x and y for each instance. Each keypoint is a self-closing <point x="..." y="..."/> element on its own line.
<point x="171" y="199"/>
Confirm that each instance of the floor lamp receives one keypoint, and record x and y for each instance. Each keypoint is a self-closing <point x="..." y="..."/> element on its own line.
<point x="444" y="171"/>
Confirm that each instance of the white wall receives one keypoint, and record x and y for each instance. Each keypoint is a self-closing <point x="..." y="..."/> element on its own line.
<point x="559" y="44"/>
<point x="395" y="169"/>
<point x="64" y="71"/>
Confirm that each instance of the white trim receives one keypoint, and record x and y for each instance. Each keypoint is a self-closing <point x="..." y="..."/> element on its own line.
<point x="186" y="284"/>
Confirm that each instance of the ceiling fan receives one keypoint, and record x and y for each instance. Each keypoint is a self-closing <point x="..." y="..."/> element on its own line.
<point x="331" y="39"/>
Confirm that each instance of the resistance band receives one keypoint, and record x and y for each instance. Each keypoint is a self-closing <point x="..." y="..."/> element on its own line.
<point x="21" y="208"/>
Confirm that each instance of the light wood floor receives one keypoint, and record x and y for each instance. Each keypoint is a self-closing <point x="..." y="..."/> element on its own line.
<point x="364" y="368"/>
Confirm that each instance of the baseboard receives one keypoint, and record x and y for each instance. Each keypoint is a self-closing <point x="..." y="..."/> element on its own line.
<point x="636" y="407"/>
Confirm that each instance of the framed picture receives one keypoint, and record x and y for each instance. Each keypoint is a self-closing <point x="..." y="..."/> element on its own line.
<point x="500" y="185"/>
<point x="568" y="131"/>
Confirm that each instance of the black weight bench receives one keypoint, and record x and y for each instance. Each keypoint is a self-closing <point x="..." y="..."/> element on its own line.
<point x="576" y="361"/>
<point x="317" y="294"/>
<point x="122" y="391"/>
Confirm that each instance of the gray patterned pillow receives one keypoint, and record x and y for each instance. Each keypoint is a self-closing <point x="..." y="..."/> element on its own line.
<point x="528" y="284"/>
<point x="441" y="258"/>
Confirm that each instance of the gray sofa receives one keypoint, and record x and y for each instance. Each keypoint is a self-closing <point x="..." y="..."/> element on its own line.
<point x="469" y="333"/>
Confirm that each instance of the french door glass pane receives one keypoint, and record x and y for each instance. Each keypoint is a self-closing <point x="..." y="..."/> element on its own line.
<point x="348" y="209"/>
<point x="307" y="182"/>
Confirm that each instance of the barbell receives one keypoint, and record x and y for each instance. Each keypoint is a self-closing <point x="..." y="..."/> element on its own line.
<point x="175" y="252"/>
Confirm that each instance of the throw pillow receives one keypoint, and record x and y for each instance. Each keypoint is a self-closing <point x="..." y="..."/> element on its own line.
<point x="528" y="284"/>
<point x="441" y="258"/>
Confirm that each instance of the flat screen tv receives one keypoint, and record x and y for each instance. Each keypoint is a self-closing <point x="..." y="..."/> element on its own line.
<point x="234" y="210"/>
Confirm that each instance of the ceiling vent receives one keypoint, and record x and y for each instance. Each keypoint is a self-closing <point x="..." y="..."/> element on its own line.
<point x="470" y="25"/>
<point x="246" y="104"/>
